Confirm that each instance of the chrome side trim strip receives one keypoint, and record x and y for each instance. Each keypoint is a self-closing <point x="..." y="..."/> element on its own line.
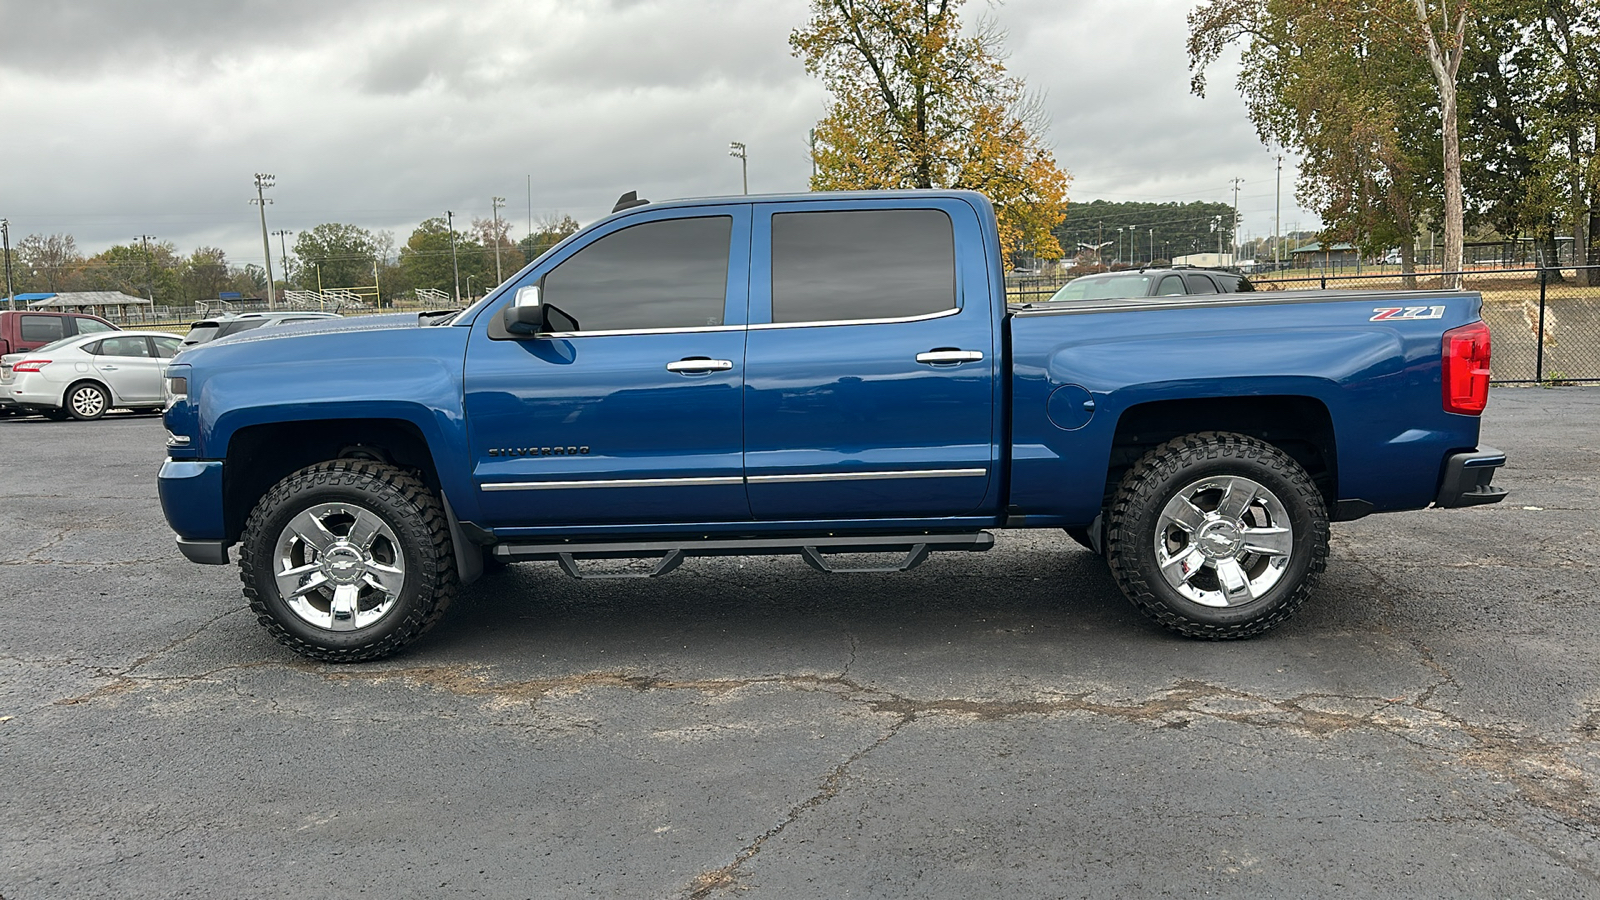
<point x="567" y="335"/>
<point x="768" y="326"/>
<point x="610" y="483"/>
<point x="866" y="476"/>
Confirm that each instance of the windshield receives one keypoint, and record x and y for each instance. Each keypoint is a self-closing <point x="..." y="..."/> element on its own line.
<point x="200" y="333"/>
<point x="1113" y="288"/>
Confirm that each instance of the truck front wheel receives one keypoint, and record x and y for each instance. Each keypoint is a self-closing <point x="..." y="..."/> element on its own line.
<point x="1217" y="535"/>
<point x="348" y="560"/>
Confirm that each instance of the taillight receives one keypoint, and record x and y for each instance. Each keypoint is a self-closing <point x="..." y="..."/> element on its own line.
<point x="30" y="365"/>
<point x="1466" y="369"/>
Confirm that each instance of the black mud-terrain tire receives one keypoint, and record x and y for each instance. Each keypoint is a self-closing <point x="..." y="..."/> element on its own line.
<point x="1167" y="470"/>
<point x="405" y="505"/>
<point x="86" y="401"/>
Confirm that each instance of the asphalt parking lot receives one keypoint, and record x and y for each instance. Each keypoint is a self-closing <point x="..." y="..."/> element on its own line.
<point x="989" y="725"/>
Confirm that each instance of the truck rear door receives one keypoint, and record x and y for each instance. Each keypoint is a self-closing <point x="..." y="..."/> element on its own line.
<point x="871" y="361"/>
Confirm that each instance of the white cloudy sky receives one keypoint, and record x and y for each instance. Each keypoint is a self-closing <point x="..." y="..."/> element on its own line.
<point x="121" y="119"/>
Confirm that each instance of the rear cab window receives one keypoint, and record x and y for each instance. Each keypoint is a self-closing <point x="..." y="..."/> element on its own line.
<point x="42" y="329"/>
<point x="855" y="265"/>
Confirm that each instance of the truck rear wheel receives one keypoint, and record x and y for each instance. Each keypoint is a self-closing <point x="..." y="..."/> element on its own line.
<point x="1217" y="535"/>
<point x="347" y="561"/>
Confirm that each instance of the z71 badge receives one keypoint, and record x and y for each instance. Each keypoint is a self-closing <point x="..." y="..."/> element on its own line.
<point x="1408" y="313"/>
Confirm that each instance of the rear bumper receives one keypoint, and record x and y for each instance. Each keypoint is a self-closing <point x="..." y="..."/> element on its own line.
<point x="1467" y="478"/>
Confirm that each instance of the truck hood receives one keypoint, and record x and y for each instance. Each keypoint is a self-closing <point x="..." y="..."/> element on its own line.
<point x="385" y="322"/>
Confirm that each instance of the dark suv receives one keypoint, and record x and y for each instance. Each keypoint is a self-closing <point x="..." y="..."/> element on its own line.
<point x="1176" y="282"/>
<point x="233" y="323"/>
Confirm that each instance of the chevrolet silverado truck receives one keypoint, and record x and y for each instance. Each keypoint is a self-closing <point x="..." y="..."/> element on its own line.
<point x="823" y="375"/>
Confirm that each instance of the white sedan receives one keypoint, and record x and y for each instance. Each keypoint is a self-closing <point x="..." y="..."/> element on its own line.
<point x="85" y="375"/>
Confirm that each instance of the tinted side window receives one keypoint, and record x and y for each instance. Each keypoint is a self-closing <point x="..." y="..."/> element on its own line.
<point x="862" y="264"/>
<point x="167" y="347"/>
<point x="92" y="326"/>
<point x="1171" y="286"/>
<point x="671" y="273"/>
<point x="238" y="325"/>
<point x="43" y="328"/>
<point x="1200" y="284"/>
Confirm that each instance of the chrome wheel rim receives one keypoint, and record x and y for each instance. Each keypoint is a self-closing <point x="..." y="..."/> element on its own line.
<point x="1223" y="541"/>
<point x="339" y="567"/>
<point x="88" y="402"/>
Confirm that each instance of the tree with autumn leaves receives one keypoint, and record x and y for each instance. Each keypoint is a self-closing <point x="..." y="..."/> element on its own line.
<point x="916" y="103"/>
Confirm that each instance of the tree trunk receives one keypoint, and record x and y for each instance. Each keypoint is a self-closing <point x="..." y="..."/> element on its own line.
<point x="1453" y="212"/>
<point x="1591" y="276"/>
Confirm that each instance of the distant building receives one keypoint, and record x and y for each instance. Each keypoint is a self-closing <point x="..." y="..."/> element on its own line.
<point x="1318" y="255"/>
<point x="105" y="304"/>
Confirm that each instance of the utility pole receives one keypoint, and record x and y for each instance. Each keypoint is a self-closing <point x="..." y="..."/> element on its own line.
<point x="264" y="181"/>
<point x="1152" y="246"/>
<point x="283" y="251"/>
<point x="5" y="241"/>
<point x="1277" y="220"/>
<point x="450" y="222"/>
<point x="497" y="203"/>
<point x="736" y="150"/>
<point x="1233" y="233"/>
<point x="149" y="269"/>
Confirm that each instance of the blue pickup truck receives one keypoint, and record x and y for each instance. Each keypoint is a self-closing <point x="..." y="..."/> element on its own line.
<point x="822" y="375"/>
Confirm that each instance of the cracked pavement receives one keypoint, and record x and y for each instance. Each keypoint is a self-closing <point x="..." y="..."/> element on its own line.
<point x="998" y="724"/>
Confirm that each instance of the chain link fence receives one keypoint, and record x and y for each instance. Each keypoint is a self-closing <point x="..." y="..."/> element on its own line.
<point x="1544" y="321"/>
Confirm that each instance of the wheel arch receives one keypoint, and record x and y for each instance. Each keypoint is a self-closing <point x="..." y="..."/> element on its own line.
<point x="1300" y="426"/>
<point x="259" y="456"/>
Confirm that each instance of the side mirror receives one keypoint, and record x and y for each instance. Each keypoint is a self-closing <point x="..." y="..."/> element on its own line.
<point x="525" y="315"/>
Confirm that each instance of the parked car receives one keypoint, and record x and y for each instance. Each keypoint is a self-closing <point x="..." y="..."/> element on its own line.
<point x="22" y="330"/>
<point x="1176" y="282"/>
<point x="207" y="330"/>
<point x="815" y="374"/>
<point x="86" y="375"/>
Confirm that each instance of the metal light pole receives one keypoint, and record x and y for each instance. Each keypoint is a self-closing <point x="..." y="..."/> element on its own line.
<point x="149" y="269"/>
<point x="736" y="150"/>
<point x="497" y="202"/>
<point x="283" y="252"/>
<point x="264" y="181"/>
<point x="5" y="241"/>
<point x="813" y="145"/>
<point x="1152" y="246"/>
<point x="1233" y="233"/>
<point x="450" y="222"/>
<point x="1277" y="220"/>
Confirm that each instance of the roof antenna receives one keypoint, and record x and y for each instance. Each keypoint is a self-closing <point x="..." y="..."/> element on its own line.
<point x="629" y="201"/>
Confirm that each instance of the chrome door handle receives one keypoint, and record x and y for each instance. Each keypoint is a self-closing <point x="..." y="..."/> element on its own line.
<point x="949" y="357"/>
<point x="108" y="368"/>
<point x="699" y="365"/>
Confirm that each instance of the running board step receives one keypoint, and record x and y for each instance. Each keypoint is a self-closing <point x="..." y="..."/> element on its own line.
<point x="815" y="550"/>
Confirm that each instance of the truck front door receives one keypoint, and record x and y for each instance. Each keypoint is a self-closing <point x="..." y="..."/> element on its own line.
<point x="871" y="362"/>
<point x="629" y="413"/>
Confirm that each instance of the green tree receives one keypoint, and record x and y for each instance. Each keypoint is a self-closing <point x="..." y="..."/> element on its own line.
<point x="426" y="259"/>
<point x="136" y="269"/>
<point x="1366" y="92"/>
<point x="334" y="255"/>
<point x="548" y="231"/>
<point x="919" y="103"/>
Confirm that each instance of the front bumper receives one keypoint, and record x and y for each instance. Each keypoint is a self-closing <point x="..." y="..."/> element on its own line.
<point x="191" y="498"/>
<point x="1467" y="478"/>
